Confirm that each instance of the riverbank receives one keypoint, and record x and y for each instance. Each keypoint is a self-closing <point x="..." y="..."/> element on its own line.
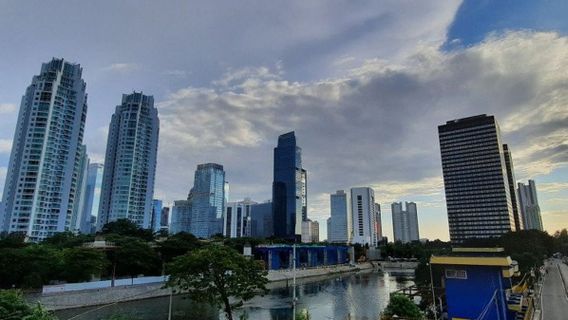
<point x="105" y="296"/>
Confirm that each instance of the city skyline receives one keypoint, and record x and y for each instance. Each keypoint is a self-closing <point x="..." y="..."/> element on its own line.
<point x="332" y="80"/>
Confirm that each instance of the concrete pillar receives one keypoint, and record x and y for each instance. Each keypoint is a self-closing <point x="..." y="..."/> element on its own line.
<point x="325" y="261"/>
<point x="291" y="262"/>
<point x="269" y="259"/>
<point x="310" y="258"/>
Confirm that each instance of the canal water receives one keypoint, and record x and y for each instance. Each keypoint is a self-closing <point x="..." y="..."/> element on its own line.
<point x="360" y="296"/>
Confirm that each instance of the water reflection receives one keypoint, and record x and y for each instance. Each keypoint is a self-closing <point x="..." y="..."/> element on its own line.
<point x="359" y="296"/>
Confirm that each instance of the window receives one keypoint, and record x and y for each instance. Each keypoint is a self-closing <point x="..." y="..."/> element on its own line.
<point x="456" y="274"/>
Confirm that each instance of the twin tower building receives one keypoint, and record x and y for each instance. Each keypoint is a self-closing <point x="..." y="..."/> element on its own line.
<point x="46" y="183"/>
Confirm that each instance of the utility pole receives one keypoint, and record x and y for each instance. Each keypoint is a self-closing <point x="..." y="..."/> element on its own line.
<point x="294" y="281"/>
<point x="433" y="295"/>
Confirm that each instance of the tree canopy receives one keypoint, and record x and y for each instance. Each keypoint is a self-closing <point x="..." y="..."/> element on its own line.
<point x="214" y="274"/>
<point x="401" y="307"/>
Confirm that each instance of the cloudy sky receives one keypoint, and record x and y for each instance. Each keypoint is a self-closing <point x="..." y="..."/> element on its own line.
<point x="363" y="83"/>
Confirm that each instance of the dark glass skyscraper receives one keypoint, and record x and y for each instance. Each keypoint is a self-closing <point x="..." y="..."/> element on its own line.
<point x="289" y="200"/>
<point x="512" y="183"/>
<point x="478" y="197"/>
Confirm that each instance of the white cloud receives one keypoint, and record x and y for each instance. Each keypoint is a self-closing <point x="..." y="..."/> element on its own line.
<point x="6" y="108"/>
<point x="5" y="146"/>
<point x="375" y="126"/>
<point x="122" y="67"/>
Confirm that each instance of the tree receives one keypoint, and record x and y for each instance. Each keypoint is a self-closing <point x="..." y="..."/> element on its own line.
<point x="215" y="273"/>
<point x="79" y="264"/>
<point x="134" y="257"/>
<point x="14" y="307"/>
<point x="401" y="306"/>
<point x="177" y="245"/>
<point x="67" y="239"/>
<point x="125" y="227"/>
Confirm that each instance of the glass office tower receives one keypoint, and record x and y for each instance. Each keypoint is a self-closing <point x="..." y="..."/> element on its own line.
<point x="207" y="200"/>
<point x="93" y="191"/>
<point x="519" y="225"/>
<point x="41" y="187"/>
<point x="130" y="162"/>
<point x="289" y="196"/>
<point x="478" y="196"/>
<point x="339" y="222"/>
<point x="530" y="210"/>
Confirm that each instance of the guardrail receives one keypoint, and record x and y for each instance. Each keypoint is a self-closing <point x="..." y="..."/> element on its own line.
<point x="67" y="287"/>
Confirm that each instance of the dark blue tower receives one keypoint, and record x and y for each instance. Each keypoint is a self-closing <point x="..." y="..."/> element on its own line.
<point x="288" y="188"/>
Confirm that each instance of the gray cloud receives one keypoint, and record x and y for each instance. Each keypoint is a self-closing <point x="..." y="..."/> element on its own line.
<point x="377" y="126"/>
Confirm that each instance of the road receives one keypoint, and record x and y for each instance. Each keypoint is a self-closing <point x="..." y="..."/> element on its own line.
<point x="554" y="299"/>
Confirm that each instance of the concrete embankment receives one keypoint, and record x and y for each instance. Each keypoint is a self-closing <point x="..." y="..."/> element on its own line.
<point x="104" y="296"/>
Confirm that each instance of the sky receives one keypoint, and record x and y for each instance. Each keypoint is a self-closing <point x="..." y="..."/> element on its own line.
<point x="363" y="83"/>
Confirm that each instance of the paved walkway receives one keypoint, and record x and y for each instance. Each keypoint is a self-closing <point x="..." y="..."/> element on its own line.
<point x="554" y="295"/>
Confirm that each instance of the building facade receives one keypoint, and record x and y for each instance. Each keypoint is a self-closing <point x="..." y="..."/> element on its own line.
<point x="262" y="224"/>
<point x="237" y="219"/>
<point x="378" y="222"/>
<point x="310" y="231"/>
<point x="530" y="210"/>
<point x="157" y="206"/>
<point x="405" y="222"/>
<point x="363" y="217"/>
<point x="519" y="225"/>
<point x="289" y="190"/>
<point x="478" y="197"/>
<point x="339" y="222"/>
<point x="208" y="200"/>
<point x="93" y="192"/>
<point x="81" y="222"/>
<point x="41" y="187"/>
<point x="181" y="217"/>
<point x="130" y="162"/>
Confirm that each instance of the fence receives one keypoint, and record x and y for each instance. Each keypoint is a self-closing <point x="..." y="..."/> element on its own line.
<point x="66" y="287"/>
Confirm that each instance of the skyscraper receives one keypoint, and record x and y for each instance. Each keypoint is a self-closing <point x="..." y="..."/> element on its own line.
<point x="93" y="191"/>
<point x="40" y="193"/>
<point x="181" y="217"/>
<point x="237" y="219"/>
<point x="262" y="224"/>
<point x="475" y="179"/>
<point x="379" y="222"/>
<point x="519" y="225"/>
<point x="289" y="195"/>
<point x="81" y="223"/>
<point x="530" y="210"/>
<point x="130" y="162"/>
<point x="364" y="228"/>
<point x="155" y="223"/>
<point x="310" y="231"/>
<point x="208" y="200"/>
<point x="339" y="222"/>
<point x="405" y="222"/>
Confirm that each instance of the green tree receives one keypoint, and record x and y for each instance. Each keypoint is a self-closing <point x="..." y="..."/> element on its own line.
<point x="67" y="239"/>
<point x="401" y="306"/>
<point x="215" y="273"/>
<point x="134" y="257"/>
<point x="125" y="227"/>
<point x="79" y="264"/>
<point x="14" y="307"/>
<point x="177" y="245"/>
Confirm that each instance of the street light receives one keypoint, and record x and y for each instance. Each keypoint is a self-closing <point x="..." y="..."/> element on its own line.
<point x="433" y="295"/>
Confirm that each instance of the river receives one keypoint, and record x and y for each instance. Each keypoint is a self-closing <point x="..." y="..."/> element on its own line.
<point x="360" y="296"/>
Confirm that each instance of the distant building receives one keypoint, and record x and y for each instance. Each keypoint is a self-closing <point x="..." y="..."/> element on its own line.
<point x="339" y="222"/>
<point x="181" y="217"/>
<point x="80" y="221"/>
<point x="261" y="222"/>
<point x="475" y="179"/>
<point x="93" y="192"/>
<point x="405" y="222"/>
<point x="41" y="187"/>
<point x="289" y="200"/>
<point x="310" y="231"/>
<point x="157" y="207"/>
<point x="511" y="181"/>
<point x="130" y="162"/>
<point x="237" y="219"/>
<point x="530" y="210"/>
<point x="164" y="219"/>
<point x="208" y="200"/>
<point x="364" y="228"/>
<point x="379" y="222"/>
